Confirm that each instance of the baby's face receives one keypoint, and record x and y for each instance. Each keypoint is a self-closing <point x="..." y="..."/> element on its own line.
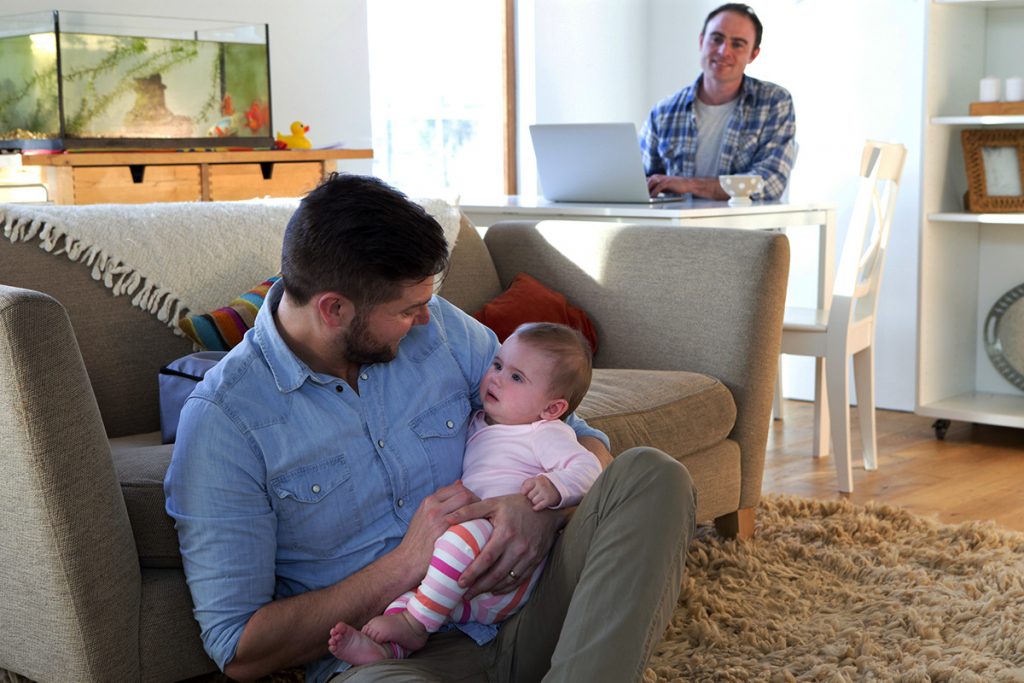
<point x="515" y="388"/>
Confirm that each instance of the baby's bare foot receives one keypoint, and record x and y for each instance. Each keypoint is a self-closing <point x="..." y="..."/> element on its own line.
<point x="354" y="647"/>
<point x="398" y="628"/>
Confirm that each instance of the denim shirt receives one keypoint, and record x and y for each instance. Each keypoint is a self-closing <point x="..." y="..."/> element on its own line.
<point x="760" y="137"/>
<point x="284" y="480"/>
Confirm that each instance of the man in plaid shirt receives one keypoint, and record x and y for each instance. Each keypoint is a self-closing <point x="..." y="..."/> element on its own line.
<point x="725" y="122"/>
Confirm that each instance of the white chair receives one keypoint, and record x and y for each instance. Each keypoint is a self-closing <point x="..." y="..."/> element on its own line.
<point x="845" y="328"/>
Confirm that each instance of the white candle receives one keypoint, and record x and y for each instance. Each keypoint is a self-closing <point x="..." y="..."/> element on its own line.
<point x="989" y="89"/>
<point x="1014" y="89"/>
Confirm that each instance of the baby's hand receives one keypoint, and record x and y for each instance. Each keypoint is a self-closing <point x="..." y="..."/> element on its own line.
<point x="541" y="492"/>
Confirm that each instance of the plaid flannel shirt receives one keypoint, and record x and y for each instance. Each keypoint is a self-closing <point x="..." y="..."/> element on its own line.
<point x="759" y="139"/>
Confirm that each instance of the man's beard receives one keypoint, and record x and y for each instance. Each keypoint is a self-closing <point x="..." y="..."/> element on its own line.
<point x="361" y="347"/>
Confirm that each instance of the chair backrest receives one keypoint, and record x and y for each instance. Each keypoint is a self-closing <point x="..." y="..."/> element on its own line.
<point x="859" y="278"/>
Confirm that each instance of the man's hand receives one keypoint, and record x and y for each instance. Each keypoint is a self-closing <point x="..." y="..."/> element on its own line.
<point x="430" y="522"/>
<point x="288" y="631"/>
<point x="541" y="492"/>
<point x="705" y="188"/>
<point x="520" y="541"/>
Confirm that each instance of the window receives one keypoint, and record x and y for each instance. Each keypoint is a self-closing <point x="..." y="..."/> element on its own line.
<point x="438" y="93"/>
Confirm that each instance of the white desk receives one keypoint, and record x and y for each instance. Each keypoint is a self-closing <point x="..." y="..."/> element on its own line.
<point x="696" y="213"/>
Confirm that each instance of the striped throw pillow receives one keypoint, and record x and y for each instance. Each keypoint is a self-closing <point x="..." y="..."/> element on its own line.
<point x="222" y="329"/>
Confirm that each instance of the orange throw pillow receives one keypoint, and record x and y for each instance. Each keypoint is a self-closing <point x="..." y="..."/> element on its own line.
<point x="527" y="300"/>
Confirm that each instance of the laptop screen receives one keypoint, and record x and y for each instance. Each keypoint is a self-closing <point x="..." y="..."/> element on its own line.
<point x="590" y="162"/>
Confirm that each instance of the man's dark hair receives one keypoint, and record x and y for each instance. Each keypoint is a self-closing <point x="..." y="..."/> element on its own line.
<point x="359" y="237"/>
<point x="738" y="8"/>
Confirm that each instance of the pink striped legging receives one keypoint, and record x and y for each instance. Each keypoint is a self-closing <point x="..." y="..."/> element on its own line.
<point x="439" y="597"/>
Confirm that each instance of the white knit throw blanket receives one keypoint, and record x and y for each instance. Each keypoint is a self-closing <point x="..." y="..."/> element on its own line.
<point x="174" y="258"/>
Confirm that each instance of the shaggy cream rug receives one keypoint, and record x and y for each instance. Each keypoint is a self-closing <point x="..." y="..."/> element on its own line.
<point x="831" y="591"/>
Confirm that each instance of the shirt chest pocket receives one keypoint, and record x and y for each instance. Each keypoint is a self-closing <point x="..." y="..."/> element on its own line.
<point x="316" y="507"/>
<point x="443" y="421"/>
<point x="441" y="431"/>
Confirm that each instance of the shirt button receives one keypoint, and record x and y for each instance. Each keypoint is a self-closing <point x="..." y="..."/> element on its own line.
<point x="450" y="424"/>
<point x="339" y="388"/>
<point x="401" y="502"/>
<point x="364" y="376"/>
<point x="316" y="488"/>
<point x="380" y="443"/>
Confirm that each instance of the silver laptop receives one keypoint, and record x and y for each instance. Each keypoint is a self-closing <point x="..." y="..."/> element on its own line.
<point x="591" y="162"/>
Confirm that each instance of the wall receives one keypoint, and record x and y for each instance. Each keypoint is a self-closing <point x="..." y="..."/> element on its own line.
<point x="319" y="70"/>
<point x="578" y="63"/>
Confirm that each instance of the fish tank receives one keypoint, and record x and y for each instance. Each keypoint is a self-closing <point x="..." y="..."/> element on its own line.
<point x="83" y="80"/>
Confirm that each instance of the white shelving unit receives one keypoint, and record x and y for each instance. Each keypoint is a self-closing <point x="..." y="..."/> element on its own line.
<point x="967" y="260"/>
<point x="978" y="120"/>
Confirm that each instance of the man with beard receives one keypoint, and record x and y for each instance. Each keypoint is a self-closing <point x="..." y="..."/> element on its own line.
<point x="319" y="461"/>
<point x="726" y="122"/>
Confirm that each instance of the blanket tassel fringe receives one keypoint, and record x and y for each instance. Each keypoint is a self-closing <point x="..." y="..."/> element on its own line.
<point x="115" y="275"/>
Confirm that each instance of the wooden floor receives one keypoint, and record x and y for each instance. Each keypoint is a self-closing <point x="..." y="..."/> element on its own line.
<point x="976" y="473"/>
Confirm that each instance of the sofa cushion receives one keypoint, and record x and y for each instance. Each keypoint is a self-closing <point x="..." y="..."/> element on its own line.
<point x="679" y="412"/>
<point x="123" y="376"/>
<point x="471" y="280"/>
<point x="141" y="462"/>
<point x="528" y="300"/>
<point x="716" y="473"/>
<point x="222" y="329"/>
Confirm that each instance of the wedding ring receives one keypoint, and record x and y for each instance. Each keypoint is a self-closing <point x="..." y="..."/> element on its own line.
<point x="512" y="573"/>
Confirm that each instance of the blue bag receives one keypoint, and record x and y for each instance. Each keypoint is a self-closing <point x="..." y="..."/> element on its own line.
<point x="177" y="380"/>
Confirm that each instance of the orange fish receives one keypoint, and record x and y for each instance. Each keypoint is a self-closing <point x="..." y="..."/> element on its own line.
<point x="226" y="107"/>
<point x="258" y="116"/>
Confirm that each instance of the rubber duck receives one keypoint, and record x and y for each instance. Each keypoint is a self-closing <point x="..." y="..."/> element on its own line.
<point x="297" y="140"/>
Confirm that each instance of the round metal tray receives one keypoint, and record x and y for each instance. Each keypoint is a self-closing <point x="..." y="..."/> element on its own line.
<point x="1004" y="335"/>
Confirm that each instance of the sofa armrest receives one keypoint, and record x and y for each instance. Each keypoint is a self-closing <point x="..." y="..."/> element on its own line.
<point x="69" y="572"/>
<point x="704" y="300"/>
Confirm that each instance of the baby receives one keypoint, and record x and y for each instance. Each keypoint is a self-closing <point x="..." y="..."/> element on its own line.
<point x="539" y="375"/>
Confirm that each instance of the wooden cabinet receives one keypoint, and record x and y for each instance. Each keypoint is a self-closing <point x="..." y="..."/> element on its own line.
<point x="139" y="177"/>
<point x="115" y="184"/>
<point x="244" y="181"/>
<point x="967" y="261"/>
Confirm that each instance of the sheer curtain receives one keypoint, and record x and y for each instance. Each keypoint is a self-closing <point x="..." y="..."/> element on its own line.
<point x="436" y="95"/>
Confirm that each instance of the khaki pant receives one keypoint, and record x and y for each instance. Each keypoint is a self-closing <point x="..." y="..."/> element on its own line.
<point x="604" y="600"/>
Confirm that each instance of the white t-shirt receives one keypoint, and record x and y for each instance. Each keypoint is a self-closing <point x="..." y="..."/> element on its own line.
<point x="712" y="120"/>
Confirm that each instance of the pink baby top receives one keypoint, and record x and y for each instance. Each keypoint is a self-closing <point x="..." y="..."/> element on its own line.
<point x="499" y="458"/>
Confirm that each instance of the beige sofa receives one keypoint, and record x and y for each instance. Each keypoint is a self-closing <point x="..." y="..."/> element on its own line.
<point x="689" y="322"/>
